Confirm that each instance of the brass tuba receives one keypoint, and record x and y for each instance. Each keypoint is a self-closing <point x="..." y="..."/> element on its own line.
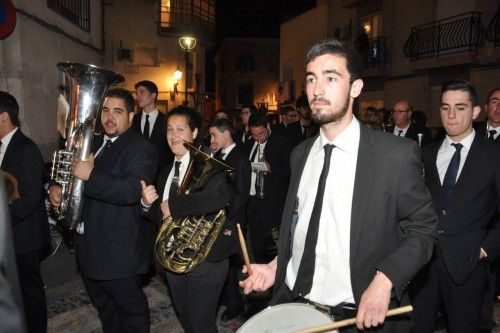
<point x="88" y="86"/>
<point x="184" y="243"/>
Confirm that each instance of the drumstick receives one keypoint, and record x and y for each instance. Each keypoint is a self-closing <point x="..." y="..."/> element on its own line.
<point x="244" y="249"/>
<point x="352" y="321"/>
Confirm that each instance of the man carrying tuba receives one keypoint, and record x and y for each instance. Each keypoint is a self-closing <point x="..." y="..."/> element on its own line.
<point x="190" y="196"/>
<point x="112" y="245"/>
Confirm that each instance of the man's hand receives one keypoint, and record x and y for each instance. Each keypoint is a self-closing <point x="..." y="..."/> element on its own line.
<point x="165" y="210"/>
<point x="148" y="193"/>
<point x="262" y="277"/>
<point x="482" y="254"/>
<point x="82" y="169"/>
<point x="374" y="302"/>
<point x="55" y="195"/>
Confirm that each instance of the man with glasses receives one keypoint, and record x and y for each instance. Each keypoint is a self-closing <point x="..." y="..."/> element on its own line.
<point x="404" y="127"/>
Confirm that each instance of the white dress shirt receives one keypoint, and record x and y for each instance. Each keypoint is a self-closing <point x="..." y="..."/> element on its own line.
<point x="227" y="150"/>
<point x="5" y="143"/>
<point x="182" y="172"/>
<point x="258" y="157"/>
<point x="332" y="273"/>
<point x="152" y="118"/>
<point x="446" y="152"/>
<point x="403" y="133"/>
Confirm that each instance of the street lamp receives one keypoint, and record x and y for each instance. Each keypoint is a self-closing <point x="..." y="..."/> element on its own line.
<point x="187" y="43"/>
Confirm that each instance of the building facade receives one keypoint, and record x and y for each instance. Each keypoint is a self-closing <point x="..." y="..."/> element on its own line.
<point x="410" y="47"/>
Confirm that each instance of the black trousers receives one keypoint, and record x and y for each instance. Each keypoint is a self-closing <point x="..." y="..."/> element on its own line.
<point x="262" y="216"/>
<point x="195" y="295"/>
<point x="232" y="295"/>
<point x="121" y="304"/>
<point x="32" y="290"/>
<point x="461" y="304"/>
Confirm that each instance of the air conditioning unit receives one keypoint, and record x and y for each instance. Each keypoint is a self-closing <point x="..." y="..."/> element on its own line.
<point x="125" y="54"/>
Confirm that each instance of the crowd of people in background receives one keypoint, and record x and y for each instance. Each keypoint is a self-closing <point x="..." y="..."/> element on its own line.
<point x="397" y="222"/>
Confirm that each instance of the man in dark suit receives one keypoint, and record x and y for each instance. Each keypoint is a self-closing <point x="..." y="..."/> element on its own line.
<point x="490" y="128"/>
<point x="243" y="137"/>
<point x="267" y="188"/>
<point x="351" y="232"/>
<point x="113" y="248"/>
<point x="11" y="307"/>
<point x="21" y="157"/>
<point x="150" y="122"/>
<point x="221" y="138"/>
<point x="288" y="116"/>
<point x="404" y="127"/>
<point x="463" y="173"/>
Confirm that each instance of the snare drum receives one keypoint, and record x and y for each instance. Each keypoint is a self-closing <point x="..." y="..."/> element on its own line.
<point x="285" y="318"/>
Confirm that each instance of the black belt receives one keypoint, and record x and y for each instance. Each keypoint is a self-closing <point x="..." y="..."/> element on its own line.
<point x="338" y="312"/>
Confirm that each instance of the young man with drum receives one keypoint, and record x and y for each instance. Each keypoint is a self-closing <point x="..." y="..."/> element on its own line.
<point x="358" y="222"/>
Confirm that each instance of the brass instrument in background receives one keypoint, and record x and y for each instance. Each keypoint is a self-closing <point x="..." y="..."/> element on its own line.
<point x="88" y="86"/>
<point x="184" y="243"/>
<point x="10" y="186"/>
<point x="420" y="154"/>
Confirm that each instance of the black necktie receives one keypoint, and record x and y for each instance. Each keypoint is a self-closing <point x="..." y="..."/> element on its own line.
<point x="304" y="280"/>
<point x="450" y="178"/>
<point x="146" y="127"/>
<point x="219" y="155"/>
<point x="252" y="158"/>
<point x="105" y="148"/>
<point x="175" y="181"/>
<point x="400" y="131"/>
<point x="492" y="135"/>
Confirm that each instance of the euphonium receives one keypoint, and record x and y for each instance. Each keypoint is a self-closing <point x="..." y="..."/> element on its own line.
<point x="184" y="243"/>
<point x="88" y="86"/>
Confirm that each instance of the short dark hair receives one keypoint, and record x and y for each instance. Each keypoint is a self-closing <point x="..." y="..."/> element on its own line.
<point x="258" y="119"/>
<point x="302" y="102"/>
<point x="149" y="85"/>
<point x="491" y="93"/>
<point x="124" y="95"/>
<point x="460" y="85"/>
<point x="9" y="104"/>
<point x="223" y="124"/>
<point x="253" y="108"/>
<point x="286" y="110"/>
<point x="340" y="48"/>
<point x="194" y="118"/>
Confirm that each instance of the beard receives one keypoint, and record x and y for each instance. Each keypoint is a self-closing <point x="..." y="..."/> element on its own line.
<point x="329" y="116"/>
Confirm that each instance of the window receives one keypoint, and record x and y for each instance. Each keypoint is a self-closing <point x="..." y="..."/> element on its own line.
<point x="176" y="13"/>
<point x="77" y="11"/>
<point x="372" y="25"/>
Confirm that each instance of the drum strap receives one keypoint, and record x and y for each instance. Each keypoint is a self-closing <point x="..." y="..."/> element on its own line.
<point x="338" y="312"/>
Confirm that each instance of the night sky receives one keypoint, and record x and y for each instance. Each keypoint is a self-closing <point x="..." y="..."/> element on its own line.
<point x="251" y="18"/>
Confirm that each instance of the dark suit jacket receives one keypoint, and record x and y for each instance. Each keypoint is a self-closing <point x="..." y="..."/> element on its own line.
<point x="247" y="145"/>
<point x="158" y="138"/>
<point x="240" y="190"/>
<point x="210" y="198"/>
<point x="28" y="213"/>
<point x="393" y="222"/>
<point x="481" y="130"/>
<point x="412" y="133"/>
<point x="464" y="222"/>
<point x="294" y="132"/>
<point x="114" y="244"/>
<point x="277" y="154"/>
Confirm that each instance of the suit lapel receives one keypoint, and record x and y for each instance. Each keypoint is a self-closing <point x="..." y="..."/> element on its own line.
<point x="434" y="182"/>
<point x="475" y="158"/>
<point x="9" y="152"/>
<point x="362" y="187"/>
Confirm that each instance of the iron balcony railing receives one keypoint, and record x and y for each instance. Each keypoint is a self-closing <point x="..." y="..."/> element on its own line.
<point x="464" y="32"/>
<point x="77" y="11"/>
<point x="493" y="31"/>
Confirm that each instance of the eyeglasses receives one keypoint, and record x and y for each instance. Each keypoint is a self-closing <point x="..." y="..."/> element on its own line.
<point x="400" y="111"/>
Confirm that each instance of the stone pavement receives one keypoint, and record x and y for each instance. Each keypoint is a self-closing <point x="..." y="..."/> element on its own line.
<point x="70" y="310"/>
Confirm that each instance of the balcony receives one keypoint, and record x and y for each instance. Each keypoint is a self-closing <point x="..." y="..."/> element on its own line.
<point x="461" y="33"/>
<point x="493" y="31"/>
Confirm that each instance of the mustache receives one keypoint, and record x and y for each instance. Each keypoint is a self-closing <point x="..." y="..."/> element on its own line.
<point x="320" y="99"/>
<point x="110" y="123"/>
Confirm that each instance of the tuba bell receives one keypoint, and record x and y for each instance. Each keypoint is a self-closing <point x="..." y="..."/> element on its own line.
<point x="184" y="243"/>
<point x="88" y="86"/>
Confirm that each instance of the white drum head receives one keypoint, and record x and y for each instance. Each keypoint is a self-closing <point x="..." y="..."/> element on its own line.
<point x="285" y="318"/>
